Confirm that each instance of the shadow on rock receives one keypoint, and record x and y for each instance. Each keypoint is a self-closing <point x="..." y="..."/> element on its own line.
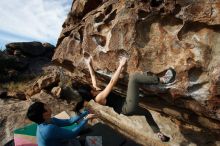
<point x="199" y="137"/>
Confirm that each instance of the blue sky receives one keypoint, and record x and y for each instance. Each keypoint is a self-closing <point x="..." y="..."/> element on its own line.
<point x="32" y="20"/>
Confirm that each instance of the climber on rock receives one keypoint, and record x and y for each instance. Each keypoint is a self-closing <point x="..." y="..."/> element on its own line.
<point x="95" y="93"/>
<point x="138" y="78"/>
<point x="50" y="131"/>
<point x="132" y="97"/>
<point x="130" y="104"/>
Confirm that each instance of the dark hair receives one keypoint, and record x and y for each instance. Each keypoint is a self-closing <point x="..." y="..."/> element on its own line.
<point x="85" y="92"/>
<point x="79" y="106"/>
<point x="86" y="96"/>
<point x="35" y="112"/>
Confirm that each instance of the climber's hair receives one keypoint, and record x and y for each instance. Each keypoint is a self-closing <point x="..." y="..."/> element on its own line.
<point x="85" y="92"/>
<point x="35" y="112"/>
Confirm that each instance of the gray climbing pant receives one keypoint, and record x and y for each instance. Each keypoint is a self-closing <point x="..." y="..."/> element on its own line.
<point x="132" y="98"/>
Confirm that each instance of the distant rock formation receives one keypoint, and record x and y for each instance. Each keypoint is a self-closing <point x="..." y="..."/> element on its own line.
<point x="30" y="48"/>
<point x="24" y="58"/>
<point x="183" y="34"/>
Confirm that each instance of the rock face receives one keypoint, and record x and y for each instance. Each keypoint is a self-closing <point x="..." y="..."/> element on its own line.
<point x="180" y="34"/>
<point x="143" y="127"/>
<point x="16" y="95"/>
<point x="42" y="83"/>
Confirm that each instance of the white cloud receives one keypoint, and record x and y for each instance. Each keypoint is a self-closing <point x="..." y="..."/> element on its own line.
<point x="40" y="20"/>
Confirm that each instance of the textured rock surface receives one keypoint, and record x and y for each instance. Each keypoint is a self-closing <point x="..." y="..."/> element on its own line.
<point x="128" y="126"/>
<point x="142" y="128"/>
<point x="42" y="83"/>
<point x="179" y="34"/>
<point x="56" y="91"/>
<point x="16" y="95"/>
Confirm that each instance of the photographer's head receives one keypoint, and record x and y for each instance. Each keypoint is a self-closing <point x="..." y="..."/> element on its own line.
<point x="39" y="112"/>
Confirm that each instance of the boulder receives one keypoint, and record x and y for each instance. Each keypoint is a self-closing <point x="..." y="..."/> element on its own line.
<point x="180" y="34"/>
<point x="17" y="62"/>
<point x="13" y="62"/>
<point x="143" y="126"/>
<point x="49" y="50"/>
<point x="45" y="82"/>
<point x="17" y="95"/>
<point x="56" y="91"/>
<point x="29" y="48"/>
<point x="23" y="60"/>
<point x="48" y="46"/>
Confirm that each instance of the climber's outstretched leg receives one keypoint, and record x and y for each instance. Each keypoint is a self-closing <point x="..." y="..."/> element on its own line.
<point x="132" y="98"/>
<point x="135" y="79"/>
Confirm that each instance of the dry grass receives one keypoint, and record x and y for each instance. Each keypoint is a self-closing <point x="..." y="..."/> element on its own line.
<point x="21" y="85"/>
<point x="15" y="86"/>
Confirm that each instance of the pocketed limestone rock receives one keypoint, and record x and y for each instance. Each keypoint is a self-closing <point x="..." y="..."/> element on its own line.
<point x="180" y="34"/>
